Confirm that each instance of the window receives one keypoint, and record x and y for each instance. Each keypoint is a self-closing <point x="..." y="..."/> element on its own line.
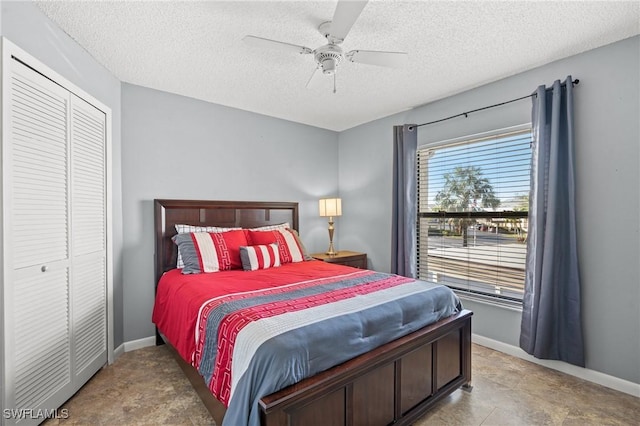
<point x="473" y="201"/>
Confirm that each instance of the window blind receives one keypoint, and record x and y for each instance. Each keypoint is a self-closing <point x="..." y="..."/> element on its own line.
<point x="473" y="201"/>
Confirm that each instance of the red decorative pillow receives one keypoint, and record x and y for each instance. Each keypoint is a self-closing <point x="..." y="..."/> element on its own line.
<point x="290" y="250"/>
<point x="210" y="251"/>
<point x="186" y="229"/>
<point x="260" y="257"/>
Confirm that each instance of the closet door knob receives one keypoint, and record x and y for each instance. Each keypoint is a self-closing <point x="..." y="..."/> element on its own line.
<point x="44" y="268"/>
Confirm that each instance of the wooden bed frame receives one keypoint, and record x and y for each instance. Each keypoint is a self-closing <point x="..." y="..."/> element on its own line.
<point x="395" y="383"/>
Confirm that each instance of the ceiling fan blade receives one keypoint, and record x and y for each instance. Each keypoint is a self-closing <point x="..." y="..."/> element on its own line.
<point x="273" y="44"/>
<point x="383" y="59"/>
<point x="313" y="78"/>
<point x="346" y="14"/>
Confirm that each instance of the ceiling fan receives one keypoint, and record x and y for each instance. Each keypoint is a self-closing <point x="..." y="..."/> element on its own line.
<point x="329" y="56"/>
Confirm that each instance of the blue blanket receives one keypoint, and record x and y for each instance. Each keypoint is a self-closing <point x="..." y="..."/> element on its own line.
<point x="322" y="326"/>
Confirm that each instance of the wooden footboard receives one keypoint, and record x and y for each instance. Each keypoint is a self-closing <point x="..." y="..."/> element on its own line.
<point x="395" y="383"/>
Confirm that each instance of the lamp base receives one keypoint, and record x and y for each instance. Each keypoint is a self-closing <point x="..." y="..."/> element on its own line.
<point x="332" y="251"/>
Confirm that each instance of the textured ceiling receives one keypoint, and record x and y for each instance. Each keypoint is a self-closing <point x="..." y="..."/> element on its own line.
<point x="196" y="49"/>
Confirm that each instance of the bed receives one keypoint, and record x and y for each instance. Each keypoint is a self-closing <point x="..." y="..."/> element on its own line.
<point x="394" y="382"/>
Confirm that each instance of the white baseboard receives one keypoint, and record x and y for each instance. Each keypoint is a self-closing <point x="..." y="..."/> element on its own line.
<point x="118" y="352"/>
<point x="582" y="373"/>
<point x="139" y="344"/>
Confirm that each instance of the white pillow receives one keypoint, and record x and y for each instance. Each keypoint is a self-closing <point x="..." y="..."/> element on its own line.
<point x="271" y="227"/>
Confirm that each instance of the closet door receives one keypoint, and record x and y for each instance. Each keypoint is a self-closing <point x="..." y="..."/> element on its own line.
<point x="88" y="239"/>
<point x="54" y="195"/>
<point x="36" y="251"/>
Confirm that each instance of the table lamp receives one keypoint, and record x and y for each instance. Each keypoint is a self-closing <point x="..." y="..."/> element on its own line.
<point x="330" y="207"/>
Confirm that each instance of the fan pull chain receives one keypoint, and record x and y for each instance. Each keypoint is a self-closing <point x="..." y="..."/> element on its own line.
<point x="334" y="82"/>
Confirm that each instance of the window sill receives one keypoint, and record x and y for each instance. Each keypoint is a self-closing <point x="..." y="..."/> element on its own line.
<point x="511" y="305"/>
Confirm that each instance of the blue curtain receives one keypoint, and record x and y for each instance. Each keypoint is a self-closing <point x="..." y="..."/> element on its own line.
<point x="551" y="325"/>
<point x="404" y="211"/>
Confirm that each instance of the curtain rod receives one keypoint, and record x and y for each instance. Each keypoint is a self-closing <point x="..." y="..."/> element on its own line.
<point x="466" y="114"/>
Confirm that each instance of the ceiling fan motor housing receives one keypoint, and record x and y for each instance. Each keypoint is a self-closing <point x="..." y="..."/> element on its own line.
<point x="329" y="57"/>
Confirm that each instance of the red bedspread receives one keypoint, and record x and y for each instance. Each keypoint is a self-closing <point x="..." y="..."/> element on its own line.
<point x="187" y="293"/>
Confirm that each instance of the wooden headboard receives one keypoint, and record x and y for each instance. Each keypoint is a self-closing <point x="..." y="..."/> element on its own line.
<point x="244" y="214"/>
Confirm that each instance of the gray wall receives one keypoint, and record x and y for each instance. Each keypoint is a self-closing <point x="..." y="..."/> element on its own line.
<point x="27" y="27"/>
<point x="178" y="147"/>
<point x="607" y="154"/>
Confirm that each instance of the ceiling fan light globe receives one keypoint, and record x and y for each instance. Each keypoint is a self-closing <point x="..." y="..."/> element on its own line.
<point x="329" y="66"/>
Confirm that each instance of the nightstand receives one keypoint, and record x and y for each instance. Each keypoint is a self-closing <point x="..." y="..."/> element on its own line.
<point x="344" y="257"/>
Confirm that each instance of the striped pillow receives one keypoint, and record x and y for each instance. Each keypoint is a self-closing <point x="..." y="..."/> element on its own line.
<point x="305" y="253"/>
<point x="260" y="257"/>
<point x="210" y="251"/>
<point x="284" y="225"/>
<point x="185" y="229"/>
<point x="290" y="250"/>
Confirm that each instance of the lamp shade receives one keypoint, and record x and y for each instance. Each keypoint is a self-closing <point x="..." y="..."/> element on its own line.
<point x="330" y="207"/>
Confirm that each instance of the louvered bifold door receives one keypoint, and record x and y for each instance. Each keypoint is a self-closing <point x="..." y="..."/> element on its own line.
<point x="88" y="242"/>
<point x="36" y="256"/>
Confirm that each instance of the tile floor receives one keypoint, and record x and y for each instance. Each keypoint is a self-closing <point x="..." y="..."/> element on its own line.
<point x="146" y="387"/>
